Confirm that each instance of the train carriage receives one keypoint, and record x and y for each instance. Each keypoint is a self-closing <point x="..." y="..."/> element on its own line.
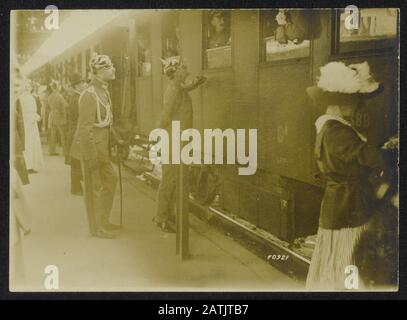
<point x="257" y="74"/>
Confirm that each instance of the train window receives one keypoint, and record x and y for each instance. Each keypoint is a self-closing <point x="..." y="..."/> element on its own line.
<point x="286" y="33"/>
<point x="72" y="64"/>
<point x="144" y="51"/>
<point x="170" y="35"/>
<point x="59" y="72"/>
<point x="79" y="63"/>
<point x="376" y="28"/>
<point x="87" y="59"/>
<point x="67" y="67"/>
<point x="97" y="49"/>
<point x="217" y="39"/>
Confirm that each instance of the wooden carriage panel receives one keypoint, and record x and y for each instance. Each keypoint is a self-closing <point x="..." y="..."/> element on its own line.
<point x="286" y="121"/>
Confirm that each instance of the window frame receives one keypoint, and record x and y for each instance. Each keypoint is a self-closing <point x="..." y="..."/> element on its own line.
<point x="262" y="44"/>
<point x="205" y="26"/>
<point x="166" y="18"/>
<point x="146" y="25"/>
<point x="359" y="47"/>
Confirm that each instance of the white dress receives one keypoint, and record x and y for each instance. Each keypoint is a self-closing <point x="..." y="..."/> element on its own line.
<point x="33" y="150"/>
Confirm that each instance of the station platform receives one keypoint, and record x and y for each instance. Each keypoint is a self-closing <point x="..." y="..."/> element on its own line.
<point x="142" y="258"/>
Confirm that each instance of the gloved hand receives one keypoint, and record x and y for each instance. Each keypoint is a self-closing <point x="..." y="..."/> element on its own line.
<point x="121" y="142"/>
<point x="199" y="80"/>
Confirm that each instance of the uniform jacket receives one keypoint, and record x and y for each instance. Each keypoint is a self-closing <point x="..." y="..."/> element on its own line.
<point x="345" y="162"/>
<point x="177" y="106"/>
<point x="289" y="32"/>
<point x="73" y="108"/>
<point x="72" y="114"/>
<point x="218" y="39"/>
<point x="91" y="142"/>
<point x="57" y="110"/>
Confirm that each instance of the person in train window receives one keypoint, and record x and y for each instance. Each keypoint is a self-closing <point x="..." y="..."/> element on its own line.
<point x="78" y="84"/>
<point x="287" y="30"/>
<point x="218" y="36"/>
<point x="177" y="107"/>
<point x="91" y="145"/>
<point x="347" y="163"/>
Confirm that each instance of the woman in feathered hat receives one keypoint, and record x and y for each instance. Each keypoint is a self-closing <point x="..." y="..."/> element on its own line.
<point x="345" y="161"/>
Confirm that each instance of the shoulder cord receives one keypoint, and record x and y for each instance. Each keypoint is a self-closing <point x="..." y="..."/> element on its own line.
<point x="109" y="117"/>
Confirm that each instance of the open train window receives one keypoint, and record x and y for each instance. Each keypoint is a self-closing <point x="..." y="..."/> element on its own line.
<point x="170" y="34"/>
<point x="97" y="49"/>
<point x="59" y="71"/>
<point x="376" y="28"/>
<point x="286" y="33"/>
<point x="87" y="59"/>
<point x="143" y="50"/>
<point x="217" y="39"/>
<point x="72" y="64"/>
<point x="79" y="63"/>
<point x="67" y="68"/>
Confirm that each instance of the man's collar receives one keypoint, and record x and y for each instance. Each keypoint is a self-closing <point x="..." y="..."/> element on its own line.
<point x="97" y="82"/>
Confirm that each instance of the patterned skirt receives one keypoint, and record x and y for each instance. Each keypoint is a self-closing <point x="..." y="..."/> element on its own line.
<point x="334" y="251"/>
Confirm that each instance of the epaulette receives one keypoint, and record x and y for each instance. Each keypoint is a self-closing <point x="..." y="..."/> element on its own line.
<point x="90" y="89"/>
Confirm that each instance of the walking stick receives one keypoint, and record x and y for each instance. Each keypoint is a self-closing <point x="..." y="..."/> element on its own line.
<point x="120" y="183"/>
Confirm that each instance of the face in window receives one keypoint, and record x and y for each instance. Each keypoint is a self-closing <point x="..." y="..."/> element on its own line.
<point x="281" y="18"/>
<point x="218" y="22"/>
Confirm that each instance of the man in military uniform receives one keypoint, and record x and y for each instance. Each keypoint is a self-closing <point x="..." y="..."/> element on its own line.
<point x="219" y="36"/>
<point x="177" y="107"/>
<point x="78" y="84"/>
<point x="57" y="119"/>
<point x="91" y="145"/>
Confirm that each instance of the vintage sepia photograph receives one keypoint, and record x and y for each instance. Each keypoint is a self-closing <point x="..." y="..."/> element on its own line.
<point x="205" y="150"/>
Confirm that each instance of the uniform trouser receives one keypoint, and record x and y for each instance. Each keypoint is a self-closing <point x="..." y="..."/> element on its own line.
<point x="166" y="198"/>
<point x="55" y="130"/>
<point x="99" y="186"/>
<point x="76" y="176"/>
<point x="167" y="193"/>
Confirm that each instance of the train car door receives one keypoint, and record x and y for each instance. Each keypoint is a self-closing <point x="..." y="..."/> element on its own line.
<point x="144" y="96"/>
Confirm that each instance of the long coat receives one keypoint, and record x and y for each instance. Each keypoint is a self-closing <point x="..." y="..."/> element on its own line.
<point x="346" y="162"/>
<point x="57" y="110"/>
<point x="72" y="115"/>
<point x="177" y="106"/>
<point x="33" y="148"/>
<point x="19" y="144"/>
